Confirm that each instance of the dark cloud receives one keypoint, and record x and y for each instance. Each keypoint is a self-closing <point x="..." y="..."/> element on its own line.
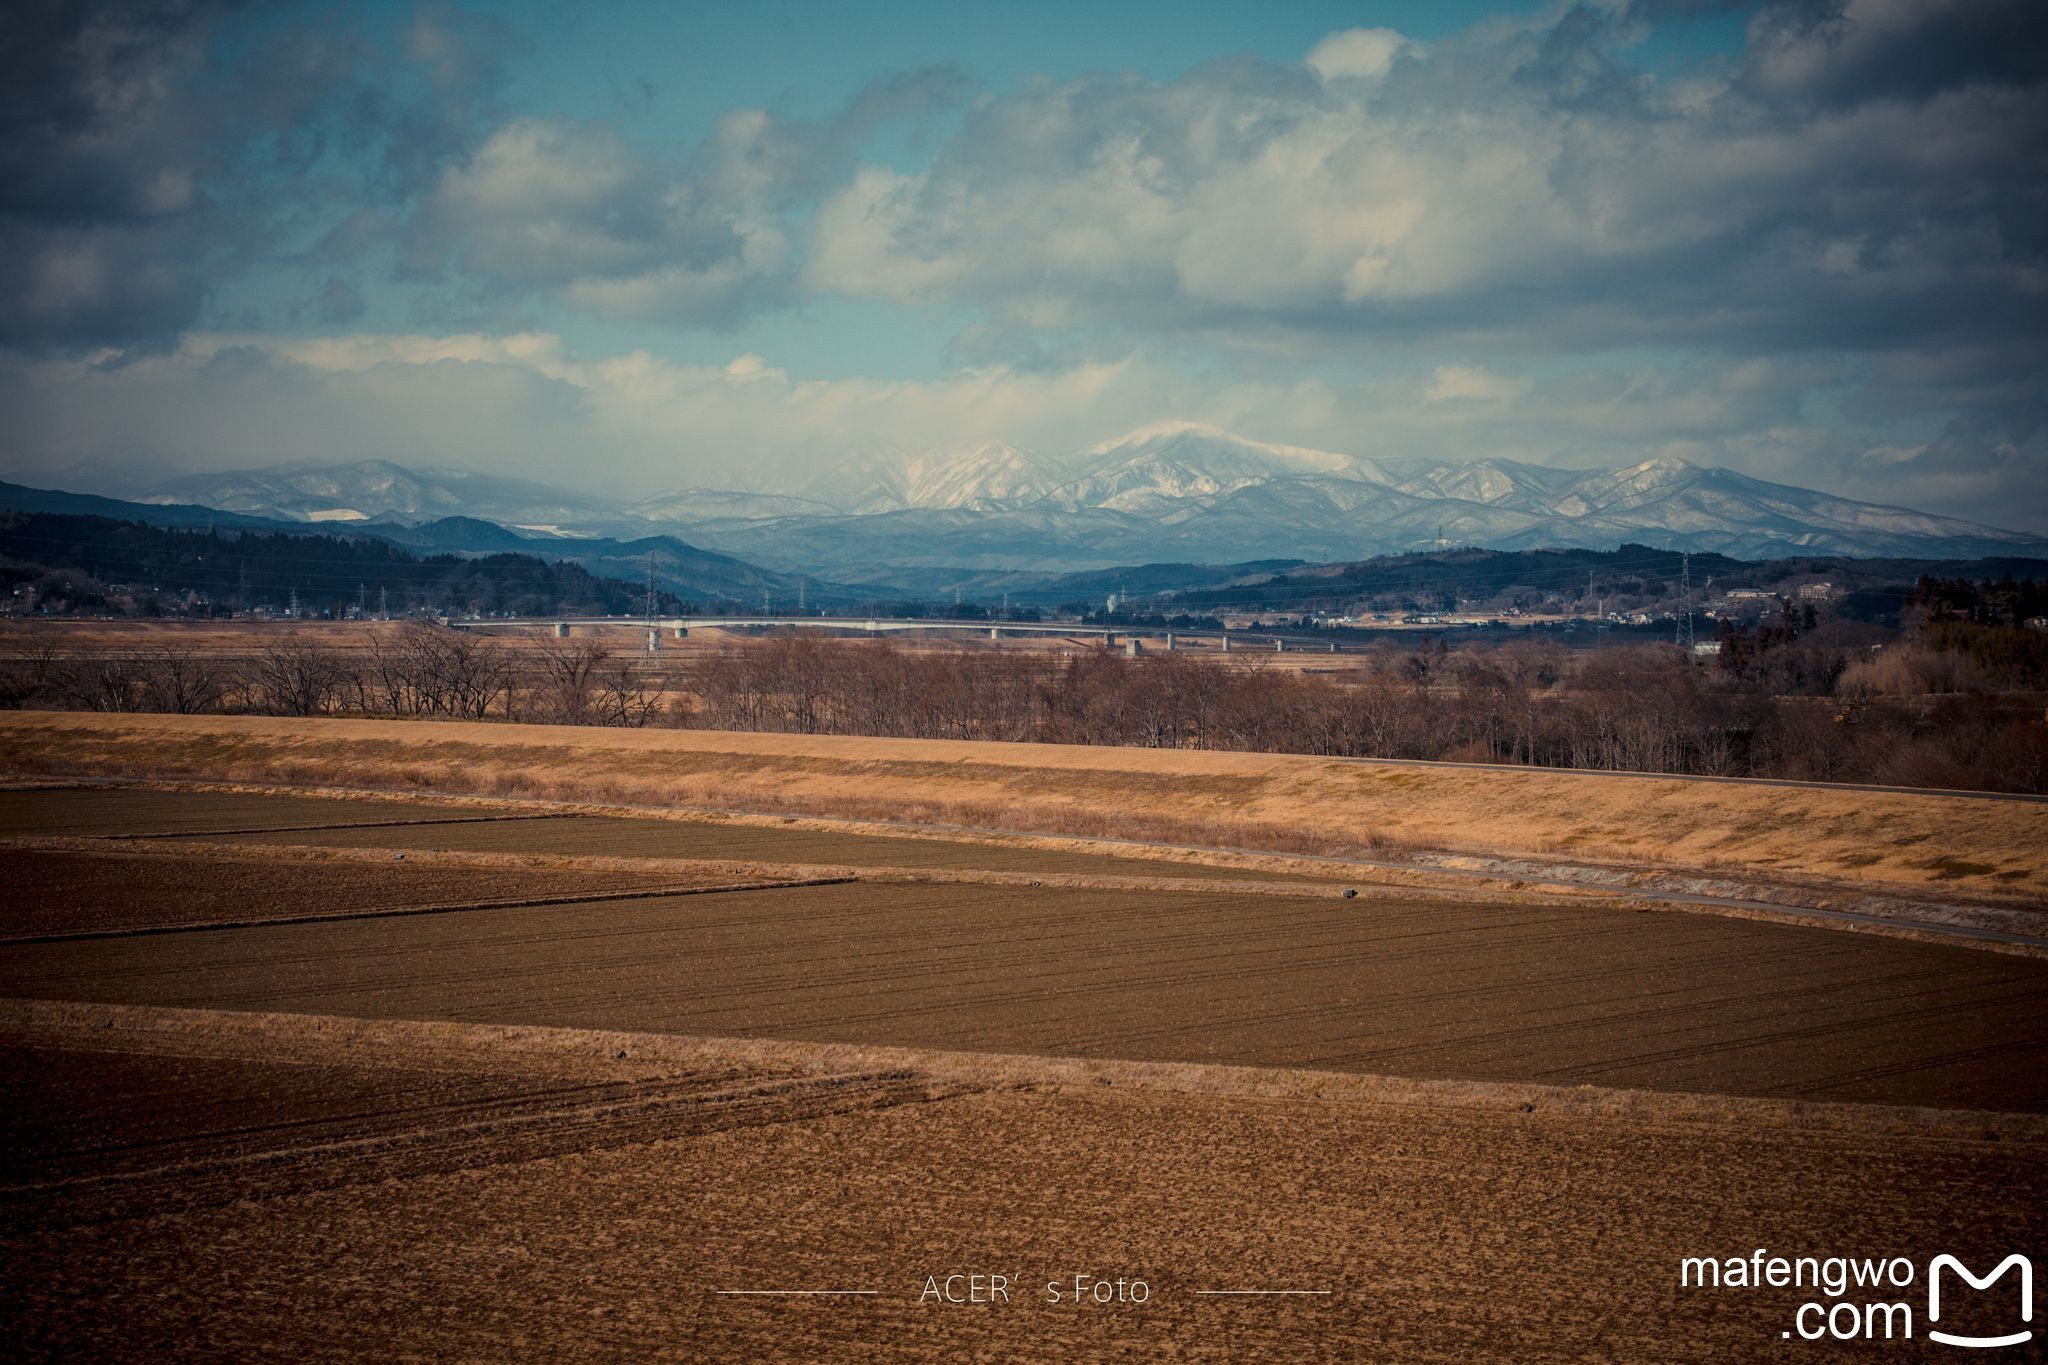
<point x="104" y="142"/>
<point x="1834" y="52"/>
<point x="150" y="149"/>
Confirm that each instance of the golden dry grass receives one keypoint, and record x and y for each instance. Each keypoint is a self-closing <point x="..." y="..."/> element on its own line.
<point x="1897" y="841"/>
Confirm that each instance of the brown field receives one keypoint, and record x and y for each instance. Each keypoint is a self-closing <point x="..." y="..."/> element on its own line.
<point x="49" y="892"/>
<point x="1893" y="842"/>
<point x="96" y="812"/>
<point x="586" y="836"/>
<point x="460" y="1122"/>
<point x="385" y="1192"/>
<point x="1540" y="991"/>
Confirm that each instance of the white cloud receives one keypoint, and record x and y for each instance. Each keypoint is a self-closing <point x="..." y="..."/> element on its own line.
<point x="1356" y="52"/>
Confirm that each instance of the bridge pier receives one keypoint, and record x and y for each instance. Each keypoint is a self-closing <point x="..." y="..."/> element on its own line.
<point x="1169" y="642"/>
<point x="561" y="630"/>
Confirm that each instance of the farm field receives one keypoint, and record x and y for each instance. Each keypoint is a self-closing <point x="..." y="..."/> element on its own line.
<point x="257" y="824"/>
<point x="1539" y="991"/>
<point x="1890" y="842"/>
<point x="101" y="812"/>
<point x="612" y="837"/>
<point x="48" y="892"/>
<point x="487" y="1087"/>
<point x="382" y="1192"/>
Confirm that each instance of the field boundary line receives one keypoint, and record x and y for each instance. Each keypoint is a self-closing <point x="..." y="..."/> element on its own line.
<point x="402" y="911"/>
<point x="311" y="829"/>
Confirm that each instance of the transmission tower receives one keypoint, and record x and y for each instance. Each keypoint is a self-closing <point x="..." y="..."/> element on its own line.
<point x="800" y="597"/>
<point x="653" y="631"/>
<point x="1684" y="635"/>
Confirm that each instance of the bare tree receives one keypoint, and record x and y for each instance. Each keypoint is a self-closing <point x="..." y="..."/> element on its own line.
<point x="292" y="678"/>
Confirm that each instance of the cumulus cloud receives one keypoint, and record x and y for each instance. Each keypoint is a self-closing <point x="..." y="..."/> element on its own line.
<point x="1516" y="182"/>
<point x="574" y="210"/>
<point x="1356" y="52"/>
<point x="1834" y="243"/>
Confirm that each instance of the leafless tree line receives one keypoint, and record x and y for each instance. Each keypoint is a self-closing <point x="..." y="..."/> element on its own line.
<point x="1643" y="709"/>
<point x="420" y="671"/>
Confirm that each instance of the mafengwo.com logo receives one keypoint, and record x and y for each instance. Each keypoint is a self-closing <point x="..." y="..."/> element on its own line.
<point x="1873" y="1298"/>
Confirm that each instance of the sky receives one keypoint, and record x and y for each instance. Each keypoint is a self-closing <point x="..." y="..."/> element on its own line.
<point x="649" y="246"/>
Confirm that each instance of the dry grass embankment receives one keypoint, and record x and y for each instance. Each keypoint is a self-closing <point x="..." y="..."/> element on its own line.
<point x="1877" y="840"/>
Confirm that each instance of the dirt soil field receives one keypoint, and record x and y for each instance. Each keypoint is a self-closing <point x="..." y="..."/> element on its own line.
<point x="69" y="893"/>
<point x="1950" y="845"/>
<point x="599" y="836"/>
<point x="386" y="1195"/>
<point x="97" y="812"/>
<point x="1537" y="992"/>
<point x="434" y="1124"/>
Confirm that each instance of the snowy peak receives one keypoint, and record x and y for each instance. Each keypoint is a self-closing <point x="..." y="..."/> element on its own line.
<point x="1177" y="491"/>
<point x="367" y="489"/>
<point x="1153" y="468"/>
<point x="980" y="477"/>
<point x="1223" y="454"/>
<point x="887" y="478"/>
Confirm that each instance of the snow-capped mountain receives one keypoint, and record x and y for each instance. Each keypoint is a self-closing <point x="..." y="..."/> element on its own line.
<point x="1177" y="492"/>
<point x="367" y="489"/>
<point x="1190" y="493"/>
<point x="885" y="478"/>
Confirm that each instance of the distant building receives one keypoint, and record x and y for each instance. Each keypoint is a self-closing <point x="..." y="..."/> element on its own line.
<point x="1706" y="649"/>
<point x="1748" y="594"/>
<point x="1816" y="592"/>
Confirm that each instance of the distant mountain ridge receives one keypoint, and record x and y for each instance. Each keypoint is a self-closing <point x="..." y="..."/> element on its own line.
<point x="1182" y="492"/>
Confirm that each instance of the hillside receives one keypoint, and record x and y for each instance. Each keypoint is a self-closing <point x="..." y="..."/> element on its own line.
<point x="67" y="563"/>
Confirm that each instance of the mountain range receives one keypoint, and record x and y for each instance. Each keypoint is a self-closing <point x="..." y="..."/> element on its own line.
<point x="916" y="521"/>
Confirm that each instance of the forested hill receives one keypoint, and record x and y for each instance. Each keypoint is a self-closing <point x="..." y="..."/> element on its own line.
<point x="1567" y="577"/>
<point x="79" y="563"/>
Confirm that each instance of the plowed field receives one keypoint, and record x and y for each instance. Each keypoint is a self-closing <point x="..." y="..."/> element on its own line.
<point x="289" y="1198"/>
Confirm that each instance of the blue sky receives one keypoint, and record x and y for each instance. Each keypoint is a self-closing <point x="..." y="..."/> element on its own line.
<point x="671" y="244"/>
